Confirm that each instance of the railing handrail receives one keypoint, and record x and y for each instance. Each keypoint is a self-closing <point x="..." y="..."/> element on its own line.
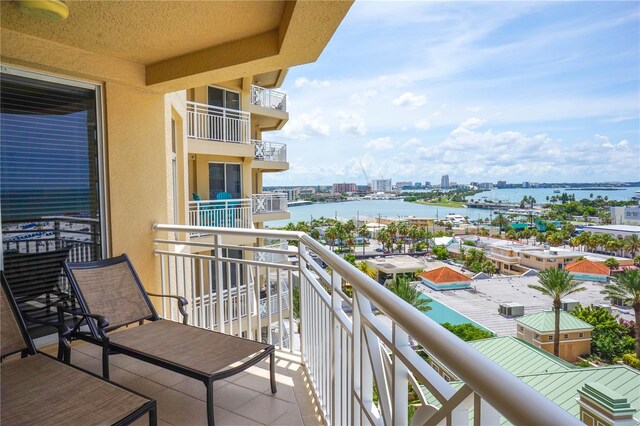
<point x="241" y="115"/>
<point x="277" y="144"/>
<point x="272" y="91"/>
<point x="511" y="397"/>
<point x="238" y="202"/>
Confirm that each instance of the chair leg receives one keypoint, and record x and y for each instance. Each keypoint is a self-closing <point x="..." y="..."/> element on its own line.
<point x="210" y="419"/>
<point x="105" y="361"/>
<point x="153" y="416"/>
<point x="272" y="371"/>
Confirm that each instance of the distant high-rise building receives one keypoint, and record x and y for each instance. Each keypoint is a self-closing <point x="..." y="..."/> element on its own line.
<point x="417" y="185"/>
<point x="502" y="184"/>
<point x="526" y="185"/>
<point x="381" y="185"/>
<point x="444" y="182"/>
<point x="341" y="188"/>
<point x="427" y="184"/>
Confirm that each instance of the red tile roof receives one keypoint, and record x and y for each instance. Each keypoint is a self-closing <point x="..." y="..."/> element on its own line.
<point x="587" y="267"/>
<point x="444" y="275"/>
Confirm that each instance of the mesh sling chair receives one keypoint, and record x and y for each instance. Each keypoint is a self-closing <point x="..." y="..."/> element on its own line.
<point x="112" y="289"/>
<point x="39" y="390"/>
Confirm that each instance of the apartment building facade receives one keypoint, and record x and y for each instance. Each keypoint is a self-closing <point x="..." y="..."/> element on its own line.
<point x="538" y="329"/>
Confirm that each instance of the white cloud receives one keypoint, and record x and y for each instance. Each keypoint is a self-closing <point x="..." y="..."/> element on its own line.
<point x="423" y="124"/>
<point x="412" y="142"/>
<point x="305" y="82"/>
<point x="352" y="124"/>
<point x="379" y="144"/>
<point x="410" y="100"/>
<point x="307" y="125"/>
<point x="471" y="123"/>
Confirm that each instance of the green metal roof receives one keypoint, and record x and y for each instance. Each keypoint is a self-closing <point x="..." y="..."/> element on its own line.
<point x="562" y="387"/>
<point x="544" y="322"/>
<point x="519" y="357"/>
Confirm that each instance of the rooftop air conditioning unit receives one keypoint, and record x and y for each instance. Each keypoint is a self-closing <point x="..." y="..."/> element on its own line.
<point x="568" y="304"/>
<point x="511" y="310"/>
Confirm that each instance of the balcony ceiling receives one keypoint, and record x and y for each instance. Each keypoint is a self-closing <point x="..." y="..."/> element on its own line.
<point x="171" y="45"/>
<point x="149" y="31"/>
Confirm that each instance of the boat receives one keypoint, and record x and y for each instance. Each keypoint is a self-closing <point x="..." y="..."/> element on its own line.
<point x="557" y="191"/>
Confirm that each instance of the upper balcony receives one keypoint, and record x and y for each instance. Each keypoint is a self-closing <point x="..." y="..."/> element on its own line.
<point x="358" y="363"/>
<point x="268" y="98"/>
<point x="268" y="108"/>
<point x="212" y="130"/>
<point x="270" y="156"/>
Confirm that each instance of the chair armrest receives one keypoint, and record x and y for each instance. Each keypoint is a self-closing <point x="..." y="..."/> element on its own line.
<point x="102" y="322"/>
<point x="182" y="303"/>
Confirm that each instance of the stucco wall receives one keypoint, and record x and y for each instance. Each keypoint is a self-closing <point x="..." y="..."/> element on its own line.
<point x="136" y="137"/>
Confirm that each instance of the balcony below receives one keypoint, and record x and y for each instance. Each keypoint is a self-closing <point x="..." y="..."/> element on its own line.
<point x="269" y="156"/>
<point x="238" y="213"/>
<point x="269" y="206"/>
<point x="242" y="399"/>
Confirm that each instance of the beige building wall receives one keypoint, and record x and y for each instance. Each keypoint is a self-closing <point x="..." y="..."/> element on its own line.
<point x="136" y="137"/>
<point x="572" y="343"/>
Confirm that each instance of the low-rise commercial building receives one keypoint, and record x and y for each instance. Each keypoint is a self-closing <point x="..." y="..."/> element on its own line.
<point x="445" y="278"/>
<point x="538" y="329"/>
<point x="586" y="270"/>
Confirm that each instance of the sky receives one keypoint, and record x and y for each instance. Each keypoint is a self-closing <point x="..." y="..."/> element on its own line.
<point x="515" y="91"/>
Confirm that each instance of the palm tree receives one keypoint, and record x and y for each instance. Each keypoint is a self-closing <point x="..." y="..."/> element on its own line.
<point x="632" y="244"/>
<point x="366" y="269"/>
<point x="556" y="283"/>
<point x="626" y="287"/>
<point x="402" y="287"/>
<point x="364" y="232"/>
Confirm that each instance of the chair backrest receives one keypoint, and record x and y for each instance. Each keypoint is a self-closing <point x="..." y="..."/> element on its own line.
<point x="110" y="288"/>
<point x="13" y="332"/>
<point x="223" y="196"/>
<point x="32" y="274"/>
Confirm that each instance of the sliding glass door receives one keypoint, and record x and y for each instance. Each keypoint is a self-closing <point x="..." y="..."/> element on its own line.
<point x="225" y="178"/>
<point x="50" y="184"/>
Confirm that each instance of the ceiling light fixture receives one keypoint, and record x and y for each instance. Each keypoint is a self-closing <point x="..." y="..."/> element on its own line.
<point x="50" y="10"/>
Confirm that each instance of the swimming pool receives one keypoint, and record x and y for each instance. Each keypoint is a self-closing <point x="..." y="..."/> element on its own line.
<point x="441" y="313"/>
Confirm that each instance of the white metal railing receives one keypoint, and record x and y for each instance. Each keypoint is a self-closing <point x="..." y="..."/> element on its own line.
<point x="268" y="98"/>
<point x="346" y="353"/>
<point x="269" y="151"/>
<point x="218" y="124"/>
<point x="234" y="213"/>
<point x="269" y="202"/>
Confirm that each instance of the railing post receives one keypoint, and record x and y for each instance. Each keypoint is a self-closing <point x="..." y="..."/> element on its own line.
<point x="336" y="379"/>
<point x="400" y="383"/>
<point x="217" y="242"/>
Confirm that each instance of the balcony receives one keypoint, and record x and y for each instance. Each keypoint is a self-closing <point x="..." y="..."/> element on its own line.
<point x="269" y="206"/>
<point x="268" y="98"/>
<point x="503" y="258"/>
<point x="211" y="123"/>
<point x="234" y="213"/>
<point x="270" y="151"/>
<point x="357" y="366"/>
<point x="269" y="156"/>
<point x="268" y="108"/>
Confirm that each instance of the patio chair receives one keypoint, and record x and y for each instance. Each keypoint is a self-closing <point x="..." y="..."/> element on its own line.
<point x="39" y="390"/>
<point x="32" y="275"/>
<point x="112" y="289"/>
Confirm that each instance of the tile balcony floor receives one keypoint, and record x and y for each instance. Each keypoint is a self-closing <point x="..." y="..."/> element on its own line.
<point x="244" y="399"/>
